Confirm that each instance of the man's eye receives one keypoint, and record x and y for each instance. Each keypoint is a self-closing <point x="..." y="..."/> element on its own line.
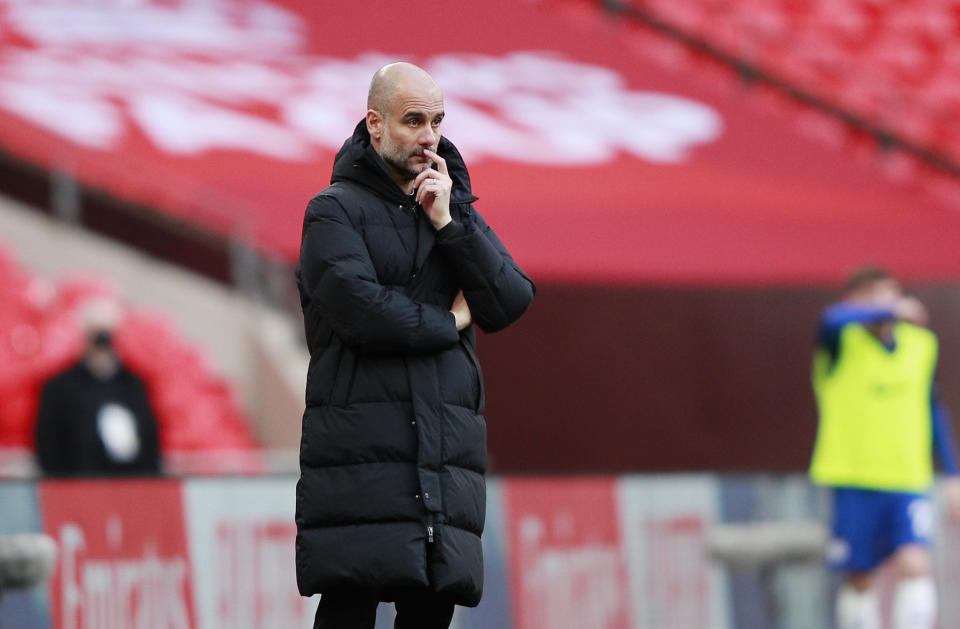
<point x="413" y="122"/>
<point x="436" y="122"/>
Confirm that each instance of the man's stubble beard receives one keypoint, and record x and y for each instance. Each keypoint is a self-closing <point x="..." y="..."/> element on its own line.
<point x="400" y="169"/>
<point x="400" y="166"/>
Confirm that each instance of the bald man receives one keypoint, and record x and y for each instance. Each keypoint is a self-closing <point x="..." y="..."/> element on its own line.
<point x="396" y="270"/>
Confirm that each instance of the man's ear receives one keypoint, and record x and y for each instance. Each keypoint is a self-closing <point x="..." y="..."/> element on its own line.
<point x="374" y="124"/>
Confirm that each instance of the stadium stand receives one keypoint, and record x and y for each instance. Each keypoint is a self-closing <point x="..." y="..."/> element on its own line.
<point x="890" y="64"/>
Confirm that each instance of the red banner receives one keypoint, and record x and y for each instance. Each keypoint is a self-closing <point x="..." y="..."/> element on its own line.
<point x="566" y="566"/>
<point x="598" y="153"/>
<point x="242" y="543"/>
<point x="123" y="561"/>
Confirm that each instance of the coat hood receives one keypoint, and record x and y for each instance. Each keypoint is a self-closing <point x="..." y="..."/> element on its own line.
<point x="358" y="162"/>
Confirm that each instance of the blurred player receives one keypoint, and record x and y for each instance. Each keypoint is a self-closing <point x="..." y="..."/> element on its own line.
<point x="880" y="421"/>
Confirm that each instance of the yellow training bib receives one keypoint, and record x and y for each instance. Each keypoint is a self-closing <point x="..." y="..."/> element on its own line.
<point x="875" y="418"/>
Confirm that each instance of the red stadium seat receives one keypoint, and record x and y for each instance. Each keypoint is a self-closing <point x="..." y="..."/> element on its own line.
<point x="885" y="61"/>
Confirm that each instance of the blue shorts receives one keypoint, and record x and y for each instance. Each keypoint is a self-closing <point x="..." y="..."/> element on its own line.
<point x="869" y="526"/>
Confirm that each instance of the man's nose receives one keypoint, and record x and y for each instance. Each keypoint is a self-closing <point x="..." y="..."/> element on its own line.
<point x="427" y="136"/>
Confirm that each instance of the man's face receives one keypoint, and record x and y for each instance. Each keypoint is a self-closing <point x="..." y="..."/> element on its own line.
<point x="411" y="125"/>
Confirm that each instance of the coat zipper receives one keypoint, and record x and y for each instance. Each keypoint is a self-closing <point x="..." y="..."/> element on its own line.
<point x="429" y="528"/>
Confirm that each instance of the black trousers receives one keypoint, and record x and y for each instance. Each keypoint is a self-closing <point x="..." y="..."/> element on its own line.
<point x="355" y="608"/>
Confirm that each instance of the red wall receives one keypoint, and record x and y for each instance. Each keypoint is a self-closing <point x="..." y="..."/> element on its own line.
<point x="618" y="379"/>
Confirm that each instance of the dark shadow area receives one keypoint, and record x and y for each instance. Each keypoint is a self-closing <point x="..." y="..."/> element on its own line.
<point x="137" y="225"/>
<point x="628" y="379"/>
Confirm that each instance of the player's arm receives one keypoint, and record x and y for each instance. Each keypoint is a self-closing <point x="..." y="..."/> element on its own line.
<point x="339" y="277"/>
<point x="944" y="442"/>
<point x="945" y="447"/>
<point x="839" y="315"/>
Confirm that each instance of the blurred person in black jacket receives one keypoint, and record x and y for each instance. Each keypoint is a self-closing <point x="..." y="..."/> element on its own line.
<point x="95" y="418"/>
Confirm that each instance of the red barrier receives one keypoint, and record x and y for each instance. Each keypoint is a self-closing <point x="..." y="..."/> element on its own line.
<point x="566" y="565"/>
<point x="123" y="554"/>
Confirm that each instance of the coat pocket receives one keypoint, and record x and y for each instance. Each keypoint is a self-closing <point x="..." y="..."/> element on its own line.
<point x="343" y="382"/>
<point x="480" y="403"/>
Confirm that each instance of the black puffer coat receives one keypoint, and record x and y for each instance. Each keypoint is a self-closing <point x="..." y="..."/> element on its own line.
<point x="393" y="451"/>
